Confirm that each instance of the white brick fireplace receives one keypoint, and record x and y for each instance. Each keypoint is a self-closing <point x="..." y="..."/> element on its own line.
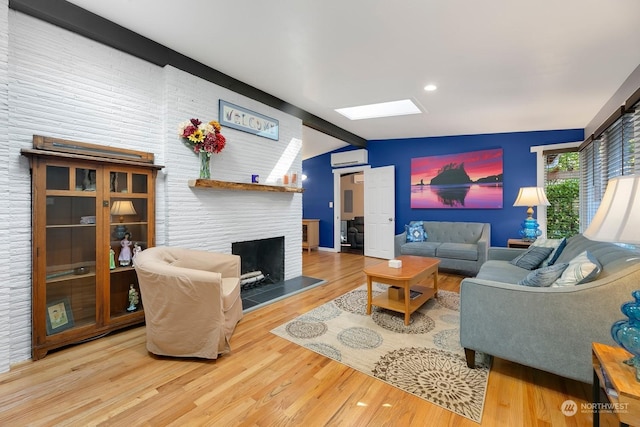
<point x="213" y="219"/>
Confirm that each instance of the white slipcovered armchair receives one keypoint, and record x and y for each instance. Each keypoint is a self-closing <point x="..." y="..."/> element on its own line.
<point x="191" y="300"/>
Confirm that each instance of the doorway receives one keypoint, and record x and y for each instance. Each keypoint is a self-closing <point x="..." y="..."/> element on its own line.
<point x="352" y="213"/>
<point x="348" y="204"/>
<point x="379" y="209"/>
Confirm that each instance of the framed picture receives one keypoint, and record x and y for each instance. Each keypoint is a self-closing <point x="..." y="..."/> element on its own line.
<point x="59" y="316"/>
<point x="471" y="180"/>
<point x="240" y="118"/>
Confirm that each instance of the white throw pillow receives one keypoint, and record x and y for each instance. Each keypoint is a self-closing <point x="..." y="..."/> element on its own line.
<point x="582" y="269"/>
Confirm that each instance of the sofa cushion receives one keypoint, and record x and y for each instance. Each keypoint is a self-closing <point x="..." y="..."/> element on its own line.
<point x="415" y="232"/>
<point x="582" y="269"/>
<point x="556" y="244"/>
<point x="427" y="248"/>
<point x="553" y="258"/>
<point x="501" y="271"/>
<point x="532" y="258"/>
<point x="466" y="251"/>
<point x="453" y="232"/>
<point x="544" y="277"/>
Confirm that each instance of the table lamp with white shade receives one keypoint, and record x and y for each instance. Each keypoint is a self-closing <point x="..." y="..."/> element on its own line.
<point x="121" y="208"/>
<point x="530" y="197"/>
<point x="618" y="220"/>
<point x="618" y="216"/>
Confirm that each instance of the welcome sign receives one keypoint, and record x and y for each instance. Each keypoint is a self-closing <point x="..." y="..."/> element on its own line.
<point x="240" y="118"/>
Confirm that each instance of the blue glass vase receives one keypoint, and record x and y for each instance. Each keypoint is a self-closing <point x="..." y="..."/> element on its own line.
<point x="627" y="332"/>
<point x="530" y="230"/>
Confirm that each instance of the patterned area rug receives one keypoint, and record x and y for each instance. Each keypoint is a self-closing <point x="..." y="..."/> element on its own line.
<point x="424" y="358"/>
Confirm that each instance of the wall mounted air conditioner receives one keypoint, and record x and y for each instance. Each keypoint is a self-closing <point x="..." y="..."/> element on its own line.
<point x="349" y="158"/>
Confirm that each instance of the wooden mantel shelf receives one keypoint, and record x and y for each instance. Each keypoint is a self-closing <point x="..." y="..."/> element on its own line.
<point x="226" y="185"/>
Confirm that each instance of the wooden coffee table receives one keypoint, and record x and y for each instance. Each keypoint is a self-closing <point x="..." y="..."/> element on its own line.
<point x="409" y="277"/>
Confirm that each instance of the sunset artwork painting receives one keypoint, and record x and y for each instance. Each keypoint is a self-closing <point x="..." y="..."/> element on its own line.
<point x="470" y="180"/>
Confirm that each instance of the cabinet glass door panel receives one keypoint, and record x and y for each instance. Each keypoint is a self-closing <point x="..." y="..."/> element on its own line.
<point x="121" y="282"/>
<point x="139" y="183"/>
<point x="58" y="178"/>
<point x="70" y="303"/>
<point x="119" y="182"/>
<point x="70" y="260"/>
<point x="129" y="234"/>
<point x="71" y="211"/>
<point x="85" y="179"/>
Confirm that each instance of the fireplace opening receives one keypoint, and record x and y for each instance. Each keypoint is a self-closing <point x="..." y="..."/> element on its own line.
<point x="262" y="261"/>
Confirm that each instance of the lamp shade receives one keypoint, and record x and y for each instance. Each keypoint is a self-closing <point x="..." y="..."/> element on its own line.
<point x="531" y="196"/>
<point x="122" y="207"/>
<point x="618" y="216"/>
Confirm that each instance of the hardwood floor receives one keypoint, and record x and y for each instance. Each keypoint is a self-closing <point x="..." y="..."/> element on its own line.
<point x="265" y="381"/>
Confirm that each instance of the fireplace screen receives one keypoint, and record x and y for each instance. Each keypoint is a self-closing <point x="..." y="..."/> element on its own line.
<point x="261" y="260"/>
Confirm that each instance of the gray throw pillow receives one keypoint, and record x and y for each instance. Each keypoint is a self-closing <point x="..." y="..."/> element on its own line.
<point x="545" y="276"/>
<point x="532" y="258"/>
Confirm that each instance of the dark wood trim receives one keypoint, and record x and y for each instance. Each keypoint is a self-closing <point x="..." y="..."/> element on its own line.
<point x="586" y="142"/>
<point x="80" y="21"/>
<point x="607" y="123"/>
<point x="632" y="101"/>
<point x="49" y="144"/>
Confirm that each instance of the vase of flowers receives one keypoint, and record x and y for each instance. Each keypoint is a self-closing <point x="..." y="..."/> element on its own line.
<point x="205" y="165"/>
<point x="205" y="139"/>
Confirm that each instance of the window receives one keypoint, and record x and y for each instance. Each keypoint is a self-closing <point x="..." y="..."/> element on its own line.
<point x="562" y="186"/>
<point x="612" y="151"/>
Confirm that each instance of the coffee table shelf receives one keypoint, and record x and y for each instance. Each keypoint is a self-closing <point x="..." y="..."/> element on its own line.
<point x="388" y="302"/>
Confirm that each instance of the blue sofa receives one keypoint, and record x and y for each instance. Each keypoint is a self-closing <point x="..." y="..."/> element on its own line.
<point x="548" y="328"/>
<point x="460" y="246"/>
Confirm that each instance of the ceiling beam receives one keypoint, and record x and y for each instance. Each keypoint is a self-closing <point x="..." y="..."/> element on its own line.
<point x="80" y="21"/>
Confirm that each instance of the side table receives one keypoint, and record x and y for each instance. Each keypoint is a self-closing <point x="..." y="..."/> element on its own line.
<point x="617" y="381"/>
<point x="310" y="234"/>
<point x="518" y="243"/>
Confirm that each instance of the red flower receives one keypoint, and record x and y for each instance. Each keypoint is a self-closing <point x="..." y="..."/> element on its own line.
<point x="189" y="130"/>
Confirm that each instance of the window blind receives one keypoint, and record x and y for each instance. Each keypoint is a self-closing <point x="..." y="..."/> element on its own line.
<point x="613" y="152"/>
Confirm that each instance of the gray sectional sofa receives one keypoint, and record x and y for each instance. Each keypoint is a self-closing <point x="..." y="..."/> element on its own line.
<point x="548" y="328"/>
<point x="460" y="246"/>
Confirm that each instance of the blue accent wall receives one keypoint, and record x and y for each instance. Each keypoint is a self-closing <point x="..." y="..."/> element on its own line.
<point x="318" y="192"/>
<point x="519" y="171"/>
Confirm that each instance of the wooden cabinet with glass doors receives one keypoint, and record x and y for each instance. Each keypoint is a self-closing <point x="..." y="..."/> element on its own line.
<point x="93" y="209"/>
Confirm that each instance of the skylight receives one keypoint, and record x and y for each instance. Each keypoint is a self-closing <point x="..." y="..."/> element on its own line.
<point x="384" y="109"/>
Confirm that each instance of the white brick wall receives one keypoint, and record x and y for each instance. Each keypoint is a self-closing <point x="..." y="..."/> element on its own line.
<point x="5" y="213"/>
<point x="59" y="84"/>
<point x="213" y="219"/>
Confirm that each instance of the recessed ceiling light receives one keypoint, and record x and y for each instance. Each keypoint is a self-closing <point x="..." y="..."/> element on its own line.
<point x="384" y="109"/>
<point x="430" y="88"/>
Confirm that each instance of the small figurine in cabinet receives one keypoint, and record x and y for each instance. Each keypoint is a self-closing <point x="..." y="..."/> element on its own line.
<point x="112" y="259"/>
<point x="125" y="254"/>
<point x="136" y="250"/>
<point x="134" y="298"/>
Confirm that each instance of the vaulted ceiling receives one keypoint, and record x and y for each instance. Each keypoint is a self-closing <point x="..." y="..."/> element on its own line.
<point x="500" y="65"/>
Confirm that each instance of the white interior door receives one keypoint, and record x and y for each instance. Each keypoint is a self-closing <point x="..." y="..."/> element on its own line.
<point x="379" y="212"/>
